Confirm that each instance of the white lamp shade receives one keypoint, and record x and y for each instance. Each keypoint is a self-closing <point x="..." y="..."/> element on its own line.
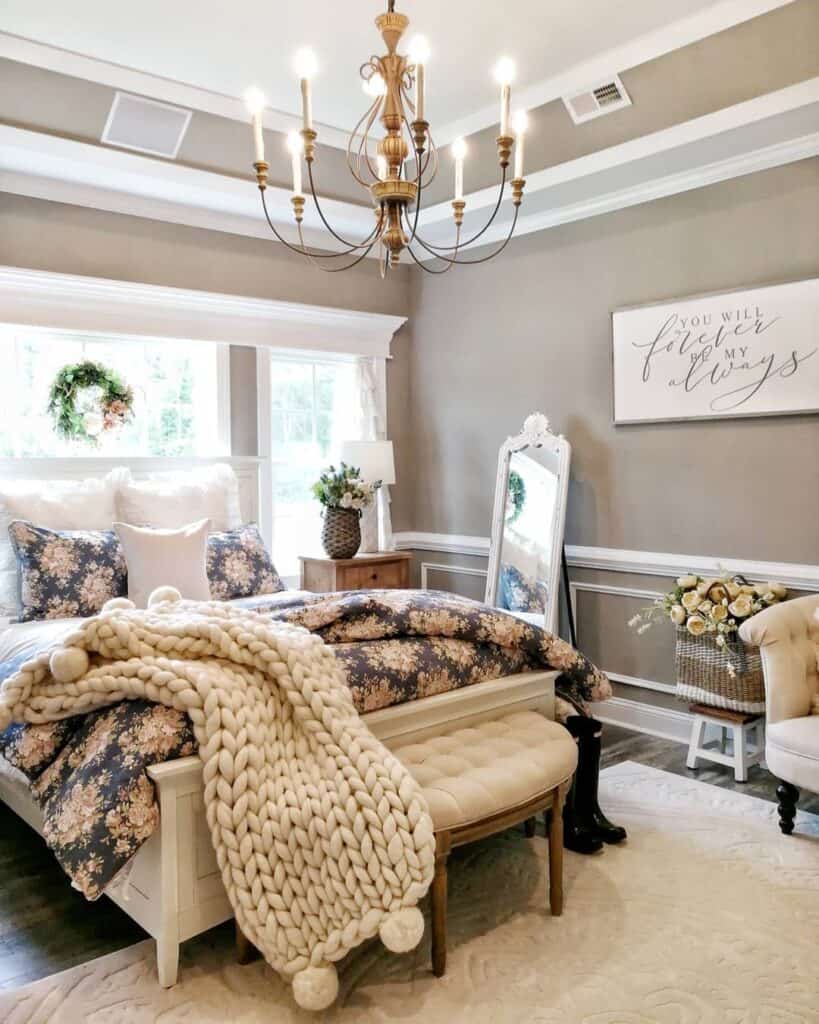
<point x="373" y="458"/>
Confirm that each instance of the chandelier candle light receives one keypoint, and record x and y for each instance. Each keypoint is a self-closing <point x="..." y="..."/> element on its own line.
<point x="396" y="87"/>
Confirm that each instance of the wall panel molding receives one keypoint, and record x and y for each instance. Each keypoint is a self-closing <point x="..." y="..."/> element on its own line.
<point x="463" y="570"/>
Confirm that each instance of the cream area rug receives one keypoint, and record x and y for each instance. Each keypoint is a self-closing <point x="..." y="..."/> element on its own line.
<point x="708" y="915"/>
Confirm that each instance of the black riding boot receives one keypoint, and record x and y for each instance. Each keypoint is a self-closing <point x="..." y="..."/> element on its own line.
<point x="586" y="816"/>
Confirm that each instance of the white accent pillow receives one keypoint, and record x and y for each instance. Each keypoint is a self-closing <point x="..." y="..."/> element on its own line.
<point x="57" y="505"/>
<point x="173" y="499"/>
<point x="159" y="558"/>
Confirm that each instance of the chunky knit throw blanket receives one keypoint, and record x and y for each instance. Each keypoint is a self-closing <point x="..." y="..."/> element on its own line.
<point x="322" y="837"/>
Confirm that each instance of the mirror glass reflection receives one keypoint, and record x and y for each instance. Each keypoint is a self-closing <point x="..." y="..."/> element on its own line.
<point x="526" y="571"/>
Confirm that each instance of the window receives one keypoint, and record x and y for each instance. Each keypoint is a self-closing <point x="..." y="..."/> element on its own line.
<point x="314" y="405"/>
<point x="177" y="387"/>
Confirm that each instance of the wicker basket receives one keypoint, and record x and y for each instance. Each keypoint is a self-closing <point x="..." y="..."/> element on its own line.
<point x="703" y="676"/>
<point x="341" y="532"/>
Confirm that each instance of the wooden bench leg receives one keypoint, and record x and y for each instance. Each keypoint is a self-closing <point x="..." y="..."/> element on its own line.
<point x="555" y="827"/>
<point x="439" y="896"/>
<point x="246" y="952"/>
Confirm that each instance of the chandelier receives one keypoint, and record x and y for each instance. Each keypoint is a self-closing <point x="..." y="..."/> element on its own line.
<point x="395" y="84"/>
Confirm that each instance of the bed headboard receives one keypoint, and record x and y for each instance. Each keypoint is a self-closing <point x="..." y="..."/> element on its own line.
<point x="246" y="468"/>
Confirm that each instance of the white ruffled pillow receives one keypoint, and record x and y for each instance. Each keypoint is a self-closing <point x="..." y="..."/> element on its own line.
<point x="170" y="500"/>
<point x="57" y="505"/>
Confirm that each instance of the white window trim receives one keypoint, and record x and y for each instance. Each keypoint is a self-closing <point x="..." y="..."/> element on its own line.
<point x="264" y="427"/>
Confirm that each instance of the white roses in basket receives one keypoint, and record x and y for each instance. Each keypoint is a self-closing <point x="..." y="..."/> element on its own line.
<point x="714" y="606"/>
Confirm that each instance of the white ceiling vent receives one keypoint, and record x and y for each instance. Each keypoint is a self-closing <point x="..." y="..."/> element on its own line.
<point x="604" y="98"/>
<point x="146" y="126"/>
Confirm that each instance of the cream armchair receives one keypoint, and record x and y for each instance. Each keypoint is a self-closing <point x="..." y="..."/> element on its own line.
<point x="787" y="635"/>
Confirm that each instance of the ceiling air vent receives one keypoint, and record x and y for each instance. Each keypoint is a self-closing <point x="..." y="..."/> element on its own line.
<point x="146" y="126"/>
<point x="605" y="98"/>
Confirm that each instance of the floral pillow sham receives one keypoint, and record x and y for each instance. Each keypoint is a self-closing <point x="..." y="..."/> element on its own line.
<point x="72" y="573"/>
<point x="65" y="573"/>
<point x="238" y="565"/>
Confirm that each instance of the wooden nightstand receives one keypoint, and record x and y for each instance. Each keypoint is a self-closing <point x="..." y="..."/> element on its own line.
<point x="382" y="570"/>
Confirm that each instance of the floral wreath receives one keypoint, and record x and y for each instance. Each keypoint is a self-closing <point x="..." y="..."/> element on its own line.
<point x="111" y="409"/>
<point x="516" y="496"/>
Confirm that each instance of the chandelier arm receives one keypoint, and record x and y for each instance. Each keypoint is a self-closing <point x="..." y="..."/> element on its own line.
<point x="325" y="222"/>
<point x="434" y="249"/>
<point x="370" y="113"/>
<point x="430" y="270"/>
<point x="337" y="270"/>
<point x="490" y="256"/>
<point x="306" y="252"/>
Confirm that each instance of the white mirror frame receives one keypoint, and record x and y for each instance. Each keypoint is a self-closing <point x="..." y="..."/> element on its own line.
<point x="535" y="434"/>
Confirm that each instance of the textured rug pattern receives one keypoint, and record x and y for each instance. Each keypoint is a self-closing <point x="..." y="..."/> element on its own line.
<point x="706" y="916"/>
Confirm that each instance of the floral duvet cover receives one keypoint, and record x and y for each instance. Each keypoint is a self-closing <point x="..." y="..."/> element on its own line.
<point x="88" y="772"/>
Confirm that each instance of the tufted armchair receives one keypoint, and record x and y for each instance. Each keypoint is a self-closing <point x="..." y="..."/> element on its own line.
<point x="788" y="634"/>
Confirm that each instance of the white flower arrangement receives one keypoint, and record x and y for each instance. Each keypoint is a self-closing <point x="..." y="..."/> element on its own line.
<point x="344" y="488"/>
<point x="711" y="606"/>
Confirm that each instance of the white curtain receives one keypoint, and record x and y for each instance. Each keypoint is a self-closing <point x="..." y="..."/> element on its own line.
<point x="372" y="427"/>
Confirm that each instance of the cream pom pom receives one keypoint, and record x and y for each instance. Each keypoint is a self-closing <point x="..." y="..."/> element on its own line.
<point x="163" y="594"/>
<point x="68" y="664"/>
<point x="315" y="988"/>
<point x="401" y="930"/>
<point x="117" y="604"/>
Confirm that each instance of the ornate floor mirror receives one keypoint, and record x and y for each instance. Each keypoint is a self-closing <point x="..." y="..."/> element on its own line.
<point x="528" y="523"/>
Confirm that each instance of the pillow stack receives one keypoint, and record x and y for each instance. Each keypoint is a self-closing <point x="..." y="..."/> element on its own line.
<point x="66" y="547"/>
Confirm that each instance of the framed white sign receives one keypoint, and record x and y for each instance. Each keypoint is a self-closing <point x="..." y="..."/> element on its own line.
<point x="753" y="352"/>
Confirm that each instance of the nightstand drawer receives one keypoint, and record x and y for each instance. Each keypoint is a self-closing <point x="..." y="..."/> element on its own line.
<point x="380" y="570"/>
<point x="375" y="576"/>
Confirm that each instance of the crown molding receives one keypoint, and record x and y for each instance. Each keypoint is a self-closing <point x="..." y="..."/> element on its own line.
<point x="65" y="170"/>
<point x="767" y="131"/>
<point x="76" y="303"/>
<point x="649" y="46"/>
<point x="758" y="134"/>
<point x="660" y="188"/>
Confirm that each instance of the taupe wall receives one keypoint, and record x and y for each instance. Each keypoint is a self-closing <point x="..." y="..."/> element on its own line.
<point x="531" y="330"/>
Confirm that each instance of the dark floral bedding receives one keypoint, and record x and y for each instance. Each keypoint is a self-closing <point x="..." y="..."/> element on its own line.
<point x="88" y="772"/>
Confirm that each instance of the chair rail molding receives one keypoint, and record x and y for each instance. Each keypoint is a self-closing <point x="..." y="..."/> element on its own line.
<point x="73" y="302"/>
<point x="641" y="563"/>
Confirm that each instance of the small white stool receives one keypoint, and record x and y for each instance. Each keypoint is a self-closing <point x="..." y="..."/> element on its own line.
<point x="744" y="754"/>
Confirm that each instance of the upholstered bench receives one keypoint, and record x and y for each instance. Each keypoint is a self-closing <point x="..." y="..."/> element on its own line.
<point x="484" y="779"/>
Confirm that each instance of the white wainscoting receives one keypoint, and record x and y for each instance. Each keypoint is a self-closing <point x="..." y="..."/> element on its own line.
<point x="576" y="587"/>
<point x="642" y="563"/>
<point x="648" y="718"/>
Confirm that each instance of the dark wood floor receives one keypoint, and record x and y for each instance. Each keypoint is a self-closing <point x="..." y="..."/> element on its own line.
<point x="46" y="926"/>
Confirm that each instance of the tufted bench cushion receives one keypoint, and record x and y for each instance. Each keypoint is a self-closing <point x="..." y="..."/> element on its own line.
<point x="478" y="772"/>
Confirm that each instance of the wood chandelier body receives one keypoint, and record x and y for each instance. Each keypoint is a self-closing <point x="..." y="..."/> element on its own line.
<point x="396" y="84"/>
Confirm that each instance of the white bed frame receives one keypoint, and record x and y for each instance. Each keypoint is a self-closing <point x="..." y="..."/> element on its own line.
<point x="174" y="889"/>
